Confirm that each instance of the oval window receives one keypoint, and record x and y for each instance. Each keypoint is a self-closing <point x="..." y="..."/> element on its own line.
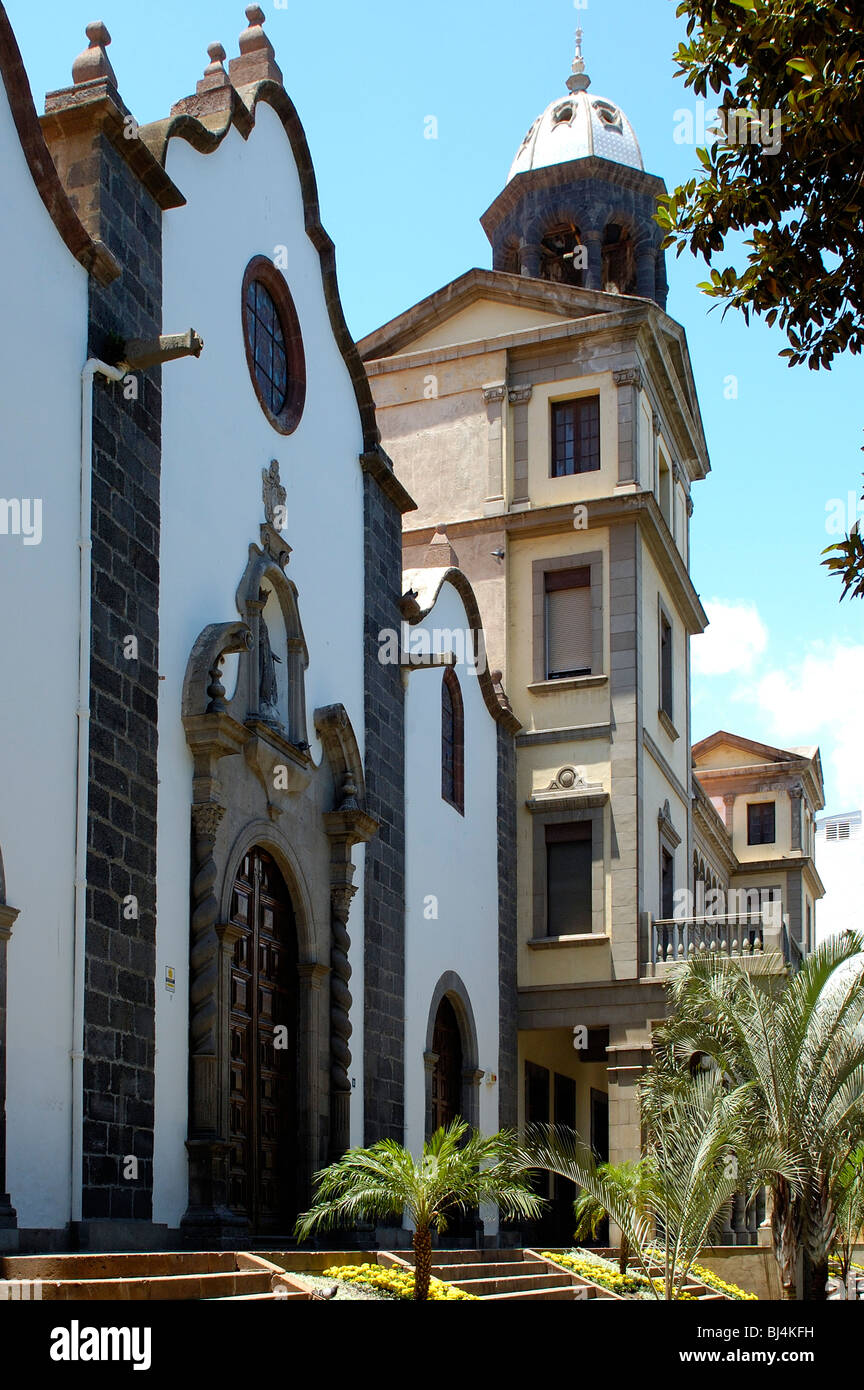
<point x="274" y="345"/>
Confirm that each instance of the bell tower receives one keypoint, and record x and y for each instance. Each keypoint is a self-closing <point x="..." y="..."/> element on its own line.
<point x="578" y="207"/>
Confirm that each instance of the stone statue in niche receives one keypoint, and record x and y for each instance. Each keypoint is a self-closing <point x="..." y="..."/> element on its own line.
<point x="268" y="688"/>
<point x="274" y="495"/>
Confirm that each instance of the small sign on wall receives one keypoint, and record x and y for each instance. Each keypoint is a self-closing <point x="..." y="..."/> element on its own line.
<point x="170" y="980"/>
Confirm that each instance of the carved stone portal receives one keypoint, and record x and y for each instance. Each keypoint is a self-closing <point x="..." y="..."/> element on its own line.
<point x="317" y="814"/>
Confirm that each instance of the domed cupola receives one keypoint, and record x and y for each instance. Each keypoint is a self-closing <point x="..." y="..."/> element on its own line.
<point x="578" y="206"/>
<point x="577" y="126"/>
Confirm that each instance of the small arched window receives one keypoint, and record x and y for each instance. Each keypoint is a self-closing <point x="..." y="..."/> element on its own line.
<point x="618" y="257"/>
<point x="452" y="742"/>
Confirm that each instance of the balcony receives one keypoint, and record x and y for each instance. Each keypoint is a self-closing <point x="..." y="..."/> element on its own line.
<point x="757" y="939"/>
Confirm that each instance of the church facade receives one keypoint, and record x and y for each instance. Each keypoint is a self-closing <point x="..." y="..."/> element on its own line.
<point x="252" y="781"/>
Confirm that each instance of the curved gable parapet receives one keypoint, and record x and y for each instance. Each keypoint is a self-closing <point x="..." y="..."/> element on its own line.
<point x="206" y="135"/>
<point x="423" y="588"/>
<point x="92" y="254"/>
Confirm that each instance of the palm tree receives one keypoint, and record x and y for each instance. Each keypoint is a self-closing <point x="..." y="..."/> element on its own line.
<point x="459" y="1169"/>
<point x="850" y="1212"/>
<point x="629" y="1181"/>
<point x="691" y="1165"/>
<point x="800" y="1047"/>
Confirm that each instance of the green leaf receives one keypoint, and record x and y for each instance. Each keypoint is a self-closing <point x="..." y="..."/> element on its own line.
<point x="800" y="64"/>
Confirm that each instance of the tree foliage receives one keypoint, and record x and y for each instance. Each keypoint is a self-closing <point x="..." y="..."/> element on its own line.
<point x="800" y="1053"/>
<point x="630" y="1181"/>
<point x="458" y="1169"/>
<point x="694" y="1164"/>
<point x="800" y="201"/>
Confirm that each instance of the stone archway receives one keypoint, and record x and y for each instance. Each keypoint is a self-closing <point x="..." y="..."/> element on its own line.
<point x="255" y="783"/>
<point x="450" y="990"/>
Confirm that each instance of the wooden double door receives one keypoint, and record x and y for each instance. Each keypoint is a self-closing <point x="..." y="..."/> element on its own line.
<point x="265" y="1048"/>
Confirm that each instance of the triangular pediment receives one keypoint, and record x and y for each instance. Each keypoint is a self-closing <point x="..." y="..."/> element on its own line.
<point x="483" y="305"/>
<point x="723" y="749"/>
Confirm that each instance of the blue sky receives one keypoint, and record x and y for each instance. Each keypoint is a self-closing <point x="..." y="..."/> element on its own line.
<point x="783" y="661"/>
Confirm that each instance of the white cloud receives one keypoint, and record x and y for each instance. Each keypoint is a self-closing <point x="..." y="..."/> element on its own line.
<point x="820" y="701"/>
<point x="735" y="637"/>
<point x="816" y="697"/>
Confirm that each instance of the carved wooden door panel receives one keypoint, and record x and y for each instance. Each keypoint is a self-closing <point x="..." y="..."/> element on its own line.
<point x="264" y="1047"/>
<point x="447" y="1070"/>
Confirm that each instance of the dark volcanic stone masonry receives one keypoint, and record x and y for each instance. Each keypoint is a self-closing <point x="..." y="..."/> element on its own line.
<point x="384" y="1028"/>
<point x="121" y="859"/>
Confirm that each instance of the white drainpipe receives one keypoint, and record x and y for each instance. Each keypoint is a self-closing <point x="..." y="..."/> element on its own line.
<point x="91" y="367"/>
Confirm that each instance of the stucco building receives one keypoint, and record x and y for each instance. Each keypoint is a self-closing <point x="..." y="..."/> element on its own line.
<point x="543" y="415"/>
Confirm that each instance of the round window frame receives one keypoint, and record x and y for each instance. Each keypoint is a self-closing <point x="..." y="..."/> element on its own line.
<point x="262" y="269"/>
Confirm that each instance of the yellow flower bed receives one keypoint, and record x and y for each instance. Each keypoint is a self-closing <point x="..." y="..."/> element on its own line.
<point x="398" y="1282"/>
<point x="632" y="1282"/>
<point x="713" y="1281"/>
<point x="603" y="1275"/>
<point x="834" y="1265"/>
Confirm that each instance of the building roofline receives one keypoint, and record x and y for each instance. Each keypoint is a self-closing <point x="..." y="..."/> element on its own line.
<point x="91" y="253"/>
<point x="417" y="605"/>
<point x="206" y="136"/>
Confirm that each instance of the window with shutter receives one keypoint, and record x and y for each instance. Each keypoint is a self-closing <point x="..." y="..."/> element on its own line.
<point x="569" y="638"/>
<point x="568" y="879"/>
<point x="667" y="885"/>
<point x="761" y="823"/>
<point x="666" y="665"/>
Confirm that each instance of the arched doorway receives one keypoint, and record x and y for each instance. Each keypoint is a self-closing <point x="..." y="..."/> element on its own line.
<point x="447" y="1068"/>
<point x="264" y="1045"/>
<point x="451" y="1094"/>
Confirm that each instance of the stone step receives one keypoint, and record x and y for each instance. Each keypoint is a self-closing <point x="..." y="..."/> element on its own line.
<point x="226" y="1284"/>
<point x="454" y="1274"/>
<point x="562" y="1292"/>
<point x="526" y="1283"/>
<point x="488" y="1256"/>
<point x="107" y="1266"/>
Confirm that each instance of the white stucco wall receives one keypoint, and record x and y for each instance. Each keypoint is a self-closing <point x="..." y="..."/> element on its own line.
<point x="841" y="867"/>
<point x="43" y="308"/>
<point x="243" y="200"/>
<point x="453" y="859"/>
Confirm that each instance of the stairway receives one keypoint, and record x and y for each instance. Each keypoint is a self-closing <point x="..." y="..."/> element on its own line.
<point x="133" y="1278"/>
<point x="507" y="1275"/>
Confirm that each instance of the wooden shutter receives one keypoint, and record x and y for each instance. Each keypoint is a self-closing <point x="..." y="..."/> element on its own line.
<point x="569" y="640"/>
<point x="666" y="665"/>
<point x="568" y="878"/>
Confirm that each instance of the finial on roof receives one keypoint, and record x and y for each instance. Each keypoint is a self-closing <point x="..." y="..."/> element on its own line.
<point x="216" y="54"/>
<point x="257" y="60"/>
<point x="214" y="73"/>
<point x="254" y="37"/>
<point x="213" y="91"/>
<point x="94" y="61"/>
<point x="578" y="81"/>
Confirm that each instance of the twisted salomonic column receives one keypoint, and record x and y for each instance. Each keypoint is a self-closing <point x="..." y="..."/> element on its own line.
<point x="204" y="961"/>
<point x="340" y="1022"/>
